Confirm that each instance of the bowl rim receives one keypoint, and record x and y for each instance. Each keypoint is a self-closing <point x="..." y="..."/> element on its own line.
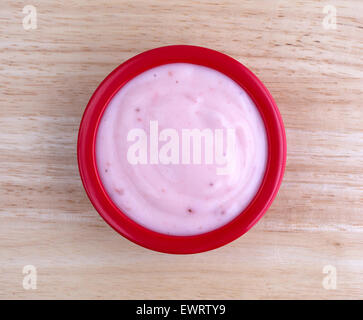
<point x="276" y="141"/>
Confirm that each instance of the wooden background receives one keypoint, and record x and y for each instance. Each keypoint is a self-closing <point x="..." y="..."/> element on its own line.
<point x="47" y="76"/>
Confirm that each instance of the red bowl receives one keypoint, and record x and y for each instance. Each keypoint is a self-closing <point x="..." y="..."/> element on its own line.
<point x="121" y="222"/>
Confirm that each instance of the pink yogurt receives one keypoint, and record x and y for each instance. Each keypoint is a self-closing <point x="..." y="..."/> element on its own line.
<point x="180" y="198"/>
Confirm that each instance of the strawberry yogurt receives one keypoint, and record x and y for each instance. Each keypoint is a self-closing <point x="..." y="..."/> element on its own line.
<point x="146" y="156"/>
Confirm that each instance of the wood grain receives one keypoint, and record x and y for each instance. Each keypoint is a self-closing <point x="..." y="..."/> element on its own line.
<point x="47" y="76"/>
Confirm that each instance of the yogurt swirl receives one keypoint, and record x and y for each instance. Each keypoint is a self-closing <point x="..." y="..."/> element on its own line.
<point x="181" y="199"/>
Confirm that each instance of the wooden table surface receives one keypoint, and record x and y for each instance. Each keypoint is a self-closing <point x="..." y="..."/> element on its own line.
<point x="315" y="74"/>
